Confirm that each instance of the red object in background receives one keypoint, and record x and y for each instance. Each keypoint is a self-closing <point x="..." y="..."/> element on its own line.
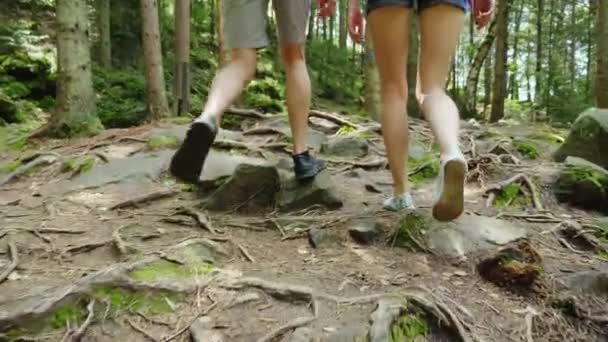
<point x="327" y="8"/>
<point x="482" y="11"/>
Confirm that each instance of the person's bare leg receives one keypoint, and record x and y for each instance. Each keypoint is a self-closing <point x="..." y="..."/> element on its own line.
<point x="390" y="33"/>
<point x="440" y="27"/>
<point x="298" y="94"/>
<point x="230" y="82"/>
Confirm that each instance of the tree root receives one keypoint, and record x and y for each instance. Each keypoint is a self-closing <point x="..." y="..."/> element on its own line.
<point x="12" y="249"/>
<point x="201" y="219"/>
<point x="264" y="130"/>
<point x="282" y="330"/>
<point x="134" y="202"/>
<point x="120" y="244"/>
<point x="37" y="160"/>
<point x="522" y="179"/>
<point x="141" y="330"/>
<point x="231" y="145"/>
<point x="248" y="113"/>
<point x="187" y="326"/>
<point x="335" y="119"/>
<point x="245" y="253"/>
<point x="87" y="247"/>
<point x="76" y="336"/>
<point x="372" y="164"/>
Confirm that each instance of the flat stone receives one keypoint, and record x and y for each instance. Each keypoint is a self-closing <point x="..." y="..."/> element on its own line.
<point x="589" y="282"/>
<point x="251" y="187"/>
<point x="319" y="238"/>
<point x="202" y="331"/>
<point x="179" y="132"/>
<point x="471" y="234"/>
<point x="346" y="146"/>
<point x="296" y="195"/>
<point x="198" y="251"/>
<point x="364" y="232"/>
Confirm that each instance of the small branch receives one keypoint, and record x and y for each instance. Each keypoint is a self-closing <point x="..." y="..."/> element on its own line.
<point x="187" y="326"/>
<point x="39" y="160"/>
<point x="60" y="231"/>
<point x="201" y="219"/>
<point x="231" y="144"/>
<point x="12" y="249"/>
<point x="143" y="199"/>
<point x="335" y="119"/>
<point x="141" y="330"/>
<point x="569" y="246"/>
<point x="282" y="330"/>
<point x="79" y="334"/>
<point x="245" y="252"/>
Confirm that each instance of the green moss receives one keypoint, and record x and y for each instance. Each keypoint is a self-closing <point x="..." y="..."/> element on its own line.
<point x="411" y="227"/>
<point x="163" y="142"/>
<point x="121" y="96"/>
<point x="526" y="148"/>
<point x="582" y="186"/>
<point x="121" y="300"/>
<point x="547" y="137"/>
<point x="14" y="137"/>
<point x="511" y="195"/>
<point x="603" y="254"/>
<point x="79" y="165"/>
<point x="163" y="269"/>
<point x="423" y="169"/>
<point x="409" y="328"/>
<point x="68" y="312"/>
<point x="10" y="166"/>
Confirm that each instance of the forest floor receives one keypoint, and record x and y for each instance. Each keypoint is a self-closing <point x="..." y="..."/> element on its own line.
<point x="97" y="243"/>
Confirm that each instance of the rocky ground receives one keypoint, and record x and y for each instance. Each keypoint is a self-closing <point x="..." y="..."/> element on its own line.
<point x="98" y="243"/>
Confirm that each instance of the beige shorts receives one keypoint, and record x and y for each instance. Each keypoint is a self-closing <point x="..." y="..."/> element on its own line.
<point x="245" y="22"/>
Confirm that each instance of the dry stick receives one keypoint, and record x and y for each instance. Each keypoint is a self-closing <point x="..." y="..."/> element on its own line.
<point x="201" y="219"/>
<point x="87" y="247"/>
<point x="250" y="113"/>
<point x="263" y="130"/>
<point x="12" y="249"/>
<point x="187" y="326"/>
<point x="282" y="330"/>
<point x="39" y="160"/>
<point x="141" y="330"/>
<point x="79" y="334"/>
<point x="244" y="252"/>
<point x="334" y="118"/>
<point x="142" y="199"/>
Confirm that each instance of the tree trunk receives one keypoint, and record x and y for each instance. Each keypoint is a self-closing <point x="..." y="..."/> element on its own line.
<point x="601" y="86"/>
<point x="181" y="84"/>
<point x="311" y="20"/>
<point x="473" y="78"/>
<point x="487" y="83"/>
<point x="550" y="71"/>
<point x="220" y="32"/>
<point x="538" y="78"/>
<point x="371" y="79"/>
<point x="155" y="79"/>
<point x="105" y="39"/>
<point x="75" y="112"/>
<point x="500" y="62"/>
<point x="412" y="68"/>
<point x="513" y="81"/>
<point x="529" y="72"/>
<point x="590" y="42"/>
<point x="343" y="24"/>
<point x="332" y="24"/>
<point x="573" y="39"/>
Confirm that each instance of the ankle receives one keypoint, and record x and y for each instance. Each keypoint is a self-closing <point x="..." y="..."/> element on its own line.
<point x="205" y="116"/>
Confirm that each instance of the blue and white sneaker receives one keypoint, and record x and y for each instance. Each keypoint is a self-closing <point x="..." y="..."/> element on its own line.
<point x="399" y="203"/>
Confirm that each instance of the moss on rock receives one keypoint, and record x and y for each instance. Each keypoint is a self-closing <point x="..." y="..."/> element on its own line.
<point x="163" y="142"/>
<point x="410" y="327"/>
<point x="526" y="148"/>
<point x="163" y="269"/>
<point x="410" y="230"/>
<point x="584" y="186"/>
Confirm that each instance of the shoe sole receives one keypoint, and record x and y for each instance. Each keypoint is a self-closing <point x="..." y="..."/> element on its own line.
<point x="187" y="163"/>
<point x="312" y="174"/>
<point x="451" y="202"/>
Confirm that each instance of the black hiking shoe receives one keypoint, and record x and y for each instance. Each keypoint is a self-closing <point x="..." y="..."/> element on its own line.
<point x="187" y="162"/>
<point x="306" y="166"/>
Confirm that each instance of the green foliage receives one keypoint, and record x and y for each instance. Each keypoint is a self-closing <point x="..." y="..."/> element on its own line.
<point x="121" y="300"/>
<point x="527" y="148"/>
<point x="163" y="269"/>
<point x="410" y="229"/>
<point x="14" y="137"/>
<point x="79" y="165"/>
<point x="163" y="142"/>
<point x="423" y="169"/>
<point x="265" y="94"/>
<point x="10" y="166"/>
<point x="510" y="195"/>
<point x="70" y="312"/>
<point x="409" y="328"/>
<point x="120" y="96"/>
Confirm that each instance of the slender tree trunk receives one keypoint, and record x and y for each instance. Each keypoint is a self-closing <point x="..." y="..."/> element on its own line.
<point x="590" y="42"/>
<point x="311" y="20"/>
<point x="601" y="86"/>
<point x="551" y="68"/>
<point x="513" y="81"/>
<point x="573" y="40"/>
<point x="487" y="83"/>
<point x="220" y="32"/>
<point x="412" y="68"/>
<point x="103" y="25"/>
<point x="332" y="24"/>
<point x="75" y="112"/>
<point x="538" y="76"/>
<point x="501" y="60"/>
<point x="529" y="72"/>
<point x="372" y="79"/>
<point x="155" y="79"/>
<point x="343" y="23"/>
<point x="473" y="78"/>
<point x="181" y="81"/>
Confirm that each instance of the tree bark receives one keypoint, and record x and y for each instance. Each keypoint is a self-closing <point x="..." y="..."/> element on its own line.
<point x="155" y="79"/>
<point x="343" y="24"/>
<point x="513" y="81"/>
<point x="181" y="84"/>
<point x="573" y="40"/>
<point x="412" y="68"/>
<point x="500" y="62"/>
<point x="487" y="83"/>
<point x="75" y="112"/>
<point x="105" y="40"/>
<point x="372" y="79"/>
<point x="473" y="78"/>
<point x="601" y="86"/>
<point x="311" y="20"/>
<point x="539" y="51"/>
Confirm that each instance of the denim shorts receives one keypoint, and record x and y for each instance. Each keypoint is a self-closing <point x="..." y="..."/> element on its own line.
<point x="416" y="4"/>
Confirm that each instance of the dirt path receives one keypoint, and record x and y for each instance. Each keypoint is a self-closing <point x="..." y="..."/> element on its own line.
<point x="90" y="265"/>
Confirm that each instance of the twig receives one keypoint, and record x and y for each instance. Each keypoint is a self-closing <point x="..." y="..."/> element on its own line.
<point x="142" y="199"/>
<point x="250" y="113"/>
<point x="102" y="156"/>
<point x="132" y="139"/>
<point x="279" y="227"/>
<point x="201" y="219"/>
<point x="334" y="118"/>
<point x="141" y="330"/>
<point x="12" y="249"/>
<point x="39" y="160"/>
<point x="37" y="234"/>
<point x="79" y="334"/>
<point x="282" y="330"/>
<point x="87" y="247"/>
<point x="187" y="326"/>
<point x="245" y="252"/>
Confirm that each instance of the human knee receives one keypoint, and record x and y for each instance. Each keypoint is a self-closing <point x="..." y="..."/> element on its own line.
<point x="292" y="55"/>
<point x="246" y="59"/>
<point x="395" y="89"/>
<point x="433" y="92"/>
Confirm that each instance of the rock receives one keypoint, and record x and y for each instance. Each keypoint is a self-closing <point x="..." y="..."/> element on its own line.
<point x="199" y="251"/>
<point x="319" y="238"/>
<point x="364" y="232"/>
<point x="251" y="187"/>
<point x="588" y="138"/>
<point x="179" y="132"/>
<point x="583" y="184"/>
<point x="296" y="195"/>
<point x="346" y="146"/>
<point x="594" y="281"/>
<point x="323" y="125"/>
<point x="372" y="188"/>
<point x="301" y="335"/>
<point x="202" y="331"/>
<point x="516" y="267"/>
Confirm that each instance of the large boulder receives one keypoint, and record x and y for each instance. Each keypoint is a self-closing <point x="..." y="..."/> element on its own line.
<point x="588" y="138"/>
<point x="583" y="184"/>
<point x="296" y="195"/>
<point x="346" y="146"/>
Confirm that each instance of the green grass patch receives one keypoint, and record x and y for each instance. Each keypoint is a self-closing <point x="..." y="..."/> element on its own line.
<point x="163" y="142"/>
<point x="511" y="195"/>
<point x="408" y="328"/>
<point x="10" y="166"/>
<point x="121" y="300"/>
<point x="410" y="230"/>
<point x="423" y="169"/>
<point x="79" y="165"/>
<point x="13" y="137"/>
<point x="163" y="269"/>
<point x="527" y="149"/>
<point x="72" y="312"/>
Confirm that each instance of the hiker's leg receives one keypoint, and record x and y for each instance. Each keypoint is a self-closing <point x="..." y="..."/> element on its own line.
<point x="440" y="27"/>
<point x="292" y="18"/>
<point x="389" y="27"/>
<point x="230" y="82"/>
<point x="244" y="32"/>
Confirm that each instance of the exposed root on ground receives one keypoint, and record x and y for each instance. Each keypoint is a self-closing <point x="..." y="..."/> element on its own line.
<point x="30" y="163"/>
<point x="77" y="335"/>
<point x="521" y="179"/>
<point x="14" y="253"/>
<point x="247" y="113"/>
<point x="282" y="330"/>
<point x="335" y="119"/>
<point x="141" y="330"/>
<point x="201" y="219"/>
<point x="134" y="202"/>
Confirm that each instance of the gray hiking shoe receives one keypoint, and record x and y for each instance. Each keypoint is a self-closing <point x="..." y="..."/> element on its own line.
<point x="449" y="203"/>
<point x="399" y="203"/>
